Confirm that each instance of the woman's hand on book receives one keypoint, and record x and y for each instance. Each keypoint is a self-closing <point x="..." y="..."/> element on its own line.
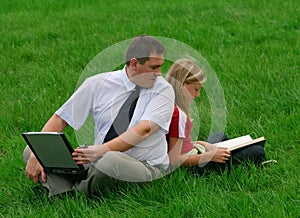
<point x="221" y="155"/>
<point x="214" y="153"/>
<point x="208" y="146"/>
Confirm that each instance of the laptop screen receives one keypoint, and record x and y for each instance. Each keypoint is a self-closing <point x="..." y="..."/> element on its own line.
<point x="51" y="148"/>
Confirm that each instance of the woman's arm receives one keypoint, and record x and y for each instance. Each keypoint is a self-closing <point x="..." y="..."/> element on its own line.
<point x="219" y="155"/>
<point x="176" y="158"/>
<point x="174" y="151"/>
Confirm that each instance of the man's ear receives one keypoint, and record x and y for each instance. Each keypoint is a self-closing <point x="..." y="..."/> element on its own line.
<point x="133" y="63"/>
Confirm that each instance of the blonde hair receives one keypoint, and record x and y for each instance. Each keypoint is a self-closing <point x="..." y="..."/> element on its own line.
<point x="184" y="71"/>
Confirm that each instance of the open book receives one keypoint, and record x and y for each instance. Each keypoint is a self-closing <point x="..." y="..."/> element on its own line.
<point x="240" y="142"/>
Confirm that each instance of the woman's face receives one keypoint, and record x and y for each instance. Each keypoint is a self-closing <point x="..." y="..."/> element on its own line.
<point x="191" y="91"/>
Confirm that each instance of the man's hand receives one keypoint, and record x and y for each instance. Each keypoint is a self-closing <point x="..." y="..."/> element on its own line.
<point x="89" y="154"/>
<point x="34" y="169"/>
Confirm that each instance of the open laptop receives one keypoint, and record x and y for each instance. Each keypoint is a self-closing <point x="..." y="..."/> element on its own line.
<point x="54" y="152"/>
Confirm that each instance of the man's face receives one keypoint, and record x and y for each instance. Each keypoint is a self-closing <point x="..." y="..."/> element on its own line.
<point x="144" y="75"/>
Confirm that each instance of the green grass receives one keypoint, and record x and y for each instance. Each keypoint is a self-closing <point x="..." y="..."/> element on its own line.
<point x="253" y="46"/>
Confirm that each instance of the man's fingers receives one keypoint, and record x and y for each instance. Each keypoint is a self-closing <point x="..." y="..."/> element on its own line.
<point x="35" y="179"/>
<point x="81" y="152"/>
<point x="44" y="176"/>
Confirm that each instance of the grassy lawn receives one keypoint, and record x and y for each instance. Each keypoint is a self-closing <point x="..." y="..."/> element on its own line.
<point x="253" y="48"/>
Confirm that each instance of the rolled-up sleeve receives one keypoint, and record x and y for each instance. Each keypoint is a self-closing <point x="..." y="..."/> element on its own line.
<point x="160" y="108"/>
<point x="77" y="108"/>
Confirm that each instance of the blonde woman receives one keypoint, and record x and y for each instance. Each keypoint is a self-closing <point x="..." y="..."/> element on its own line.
<point x="187" y="78"/>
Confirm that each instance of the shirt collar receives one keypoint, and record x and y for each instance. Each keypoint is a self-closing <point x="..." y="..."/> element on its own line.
<point x="128" y="84"/>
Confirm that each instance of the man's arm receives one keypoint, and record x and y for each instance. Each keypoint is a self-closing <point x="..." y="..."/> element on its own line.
<point x="125" y="141"/>
<point x="33" y="167"/>
<point x="54" y="124"/>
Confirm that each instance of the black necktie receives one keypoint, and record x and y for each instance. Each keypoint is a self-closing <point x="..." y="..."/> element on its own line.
<point x="124" y="116"/>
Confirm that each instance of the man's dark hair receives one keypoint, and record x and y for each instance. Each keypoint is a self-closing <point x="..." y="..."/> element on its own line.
<point x="141" y="47"/>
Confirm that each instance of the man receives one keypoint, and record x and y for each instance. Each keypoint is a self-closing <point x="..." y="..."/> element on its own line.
<point x="140" y="153"/>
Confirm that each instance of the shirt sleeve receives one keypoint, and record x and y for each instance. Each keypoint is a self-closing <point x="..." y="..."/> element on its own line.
<point x="76" y="109"/>
<point x="160" y="108"/>
<point x="178" y="123"/>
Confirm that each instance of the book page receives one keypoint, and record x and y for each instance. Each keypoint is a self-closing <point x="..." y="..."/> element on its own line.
<point x="260" y="140"/>
<point x="234" y="142"/>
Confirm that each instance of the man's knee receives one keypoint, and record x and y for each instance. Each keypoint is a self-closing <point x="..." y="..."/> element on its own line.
<point x="26" y="154"/>
<point x="123" y="167"/>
